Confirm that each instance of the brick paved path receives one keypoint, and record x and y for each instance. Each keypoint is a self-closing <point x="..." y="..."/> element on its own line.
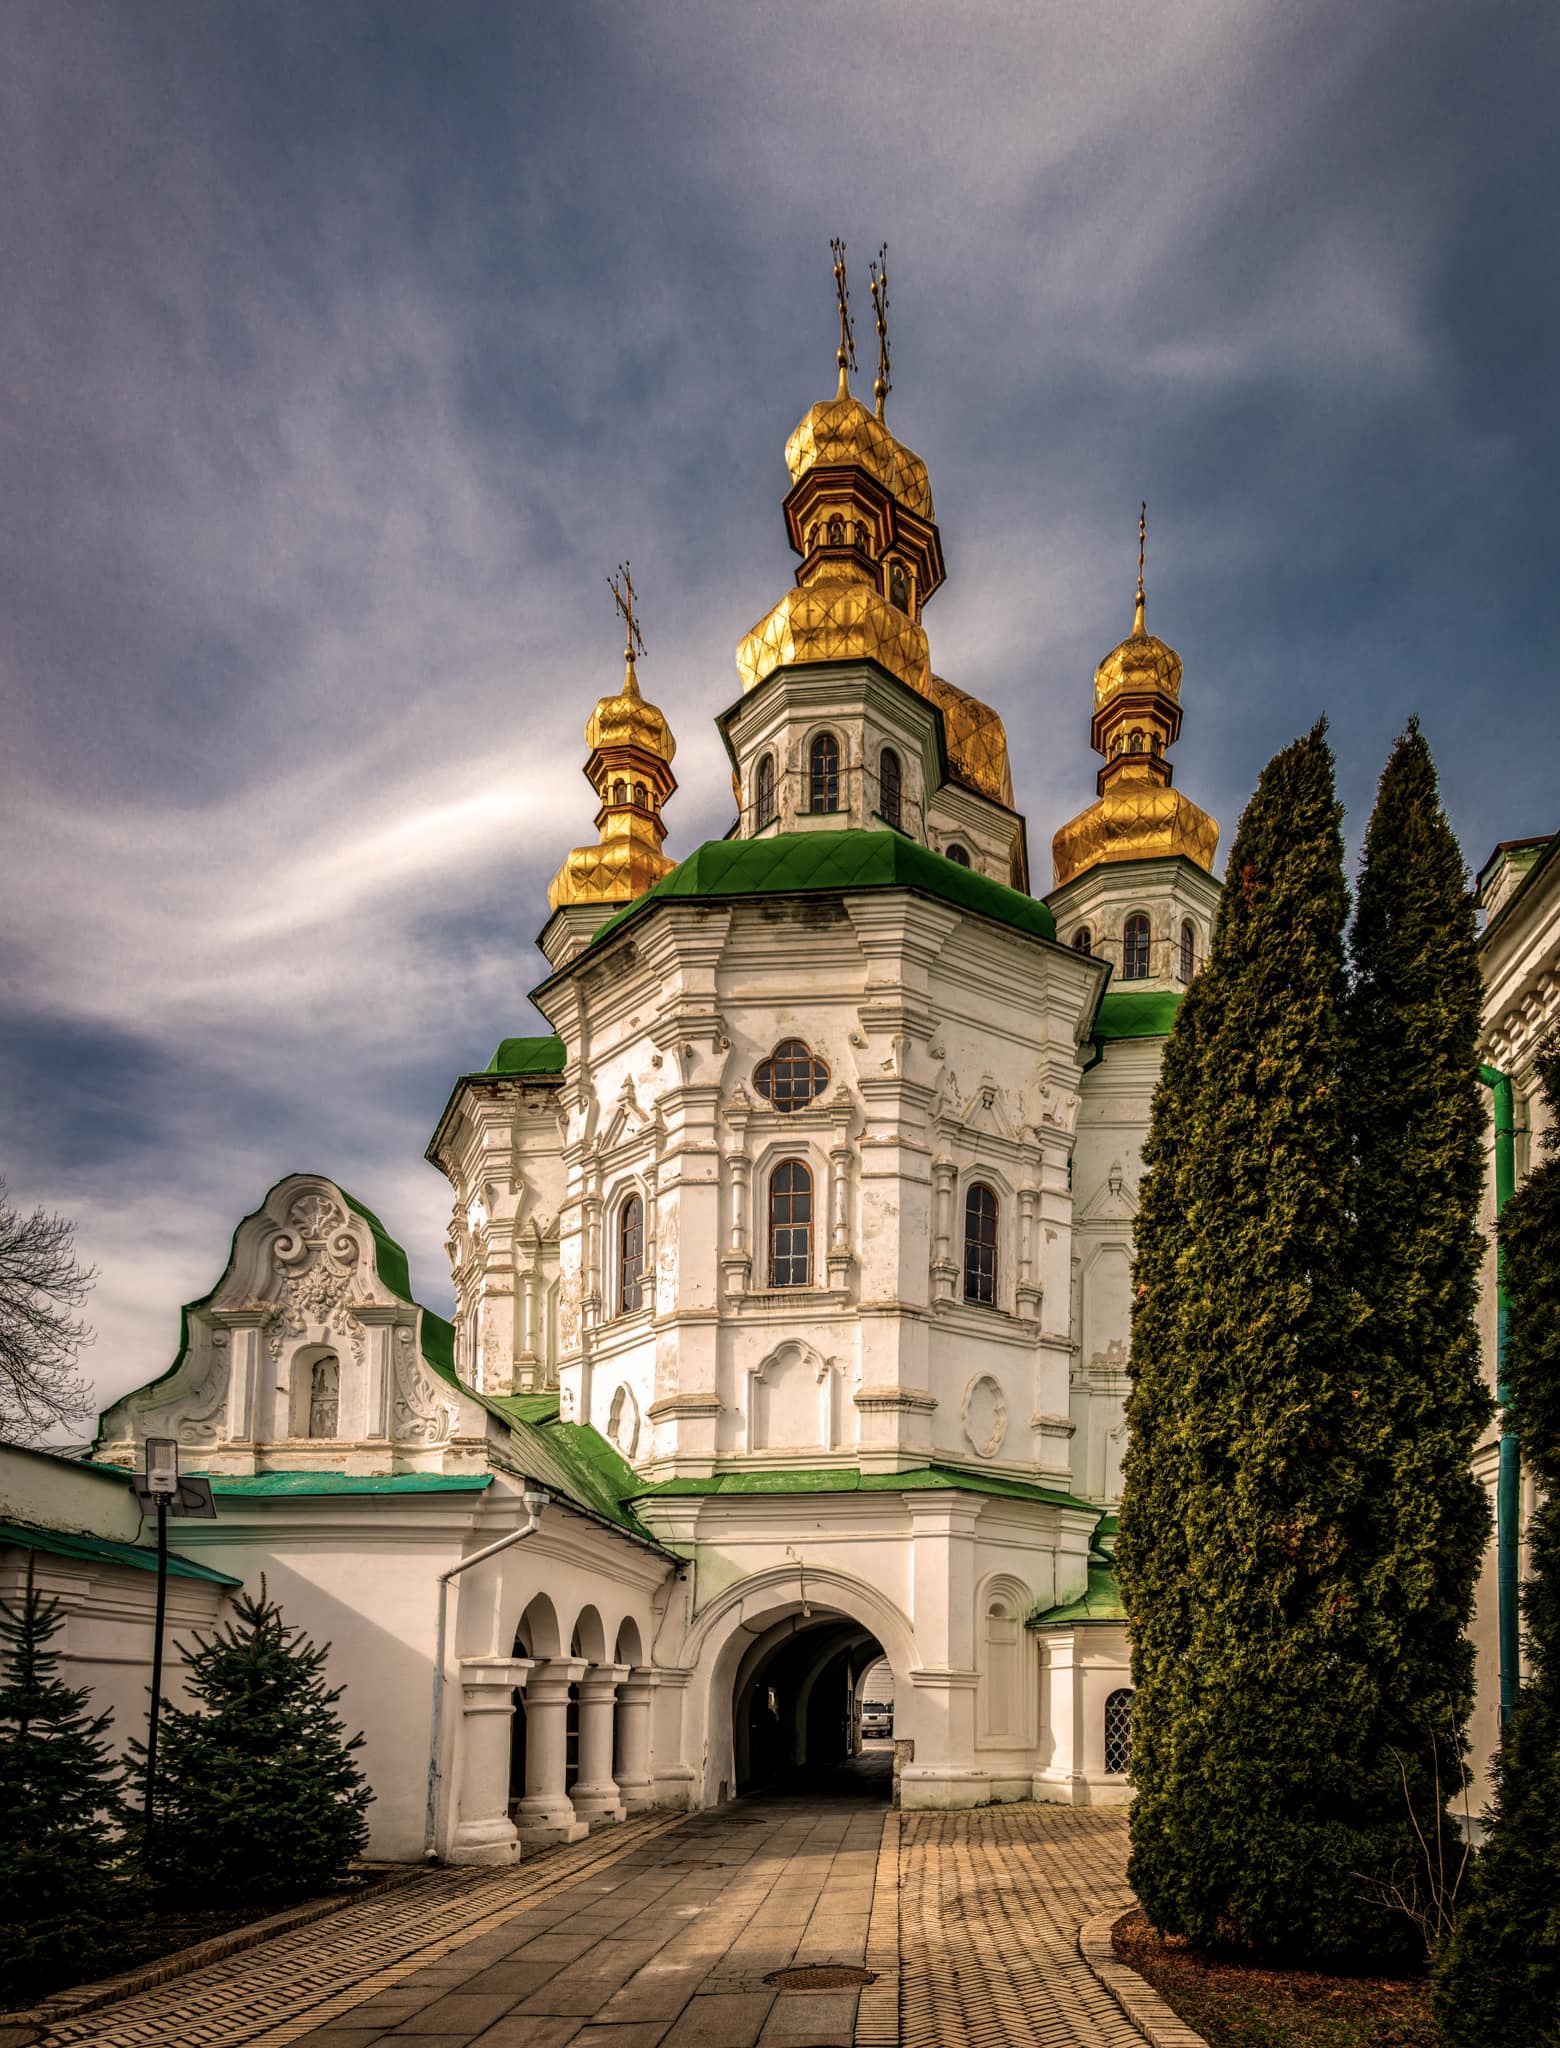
<point x="659" y="1934"/>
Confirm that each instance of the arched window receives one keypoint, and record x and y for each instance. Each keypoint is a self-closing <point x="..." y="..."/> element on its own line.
<point x="899" y="588"/>
<point x="324" y="1396"/>
<point x="890" y="787"/>
<point x="1118" y="1731"/>
<point x="980" y="1244"/>
<point x="1137" y="743"/>
<point x="1134" y="947"/>
<point x="959" y="855"/>
<point x="764" y="793"/>
<point x="823" y="779"/>
<point x="1083" y="940"/>
<point x="1188" y="950"/>
<point x="791" y="1076"/>
<point x="641" y="796"/>
<point x="790" y="1225"/>
<point x="836" y="532"/>
<point x="631" y="1255"/>
<point x="620" y="792"/>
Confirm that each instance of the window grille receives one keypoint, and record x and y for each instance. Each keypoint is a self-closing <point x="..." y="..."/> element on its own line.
<point x="1118" y="1731"/>
<point x="824" y="774"/>
<point x="631" y="1255"/>
<point x="890" y="787"/>
<point x="1134" y="948"/>
<point x="980" y="1244"/>
<point x="790" y="1225"/>
<point x="791" y="1076"/>
<point x="1083" y="940"/>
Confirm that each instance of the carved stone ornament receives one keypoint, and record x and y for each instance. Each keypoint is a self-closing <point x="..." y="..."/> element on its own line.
<point x="315" y="1262"/>
<point x="984" y="1416"/>
<point x="420" y="1416"/>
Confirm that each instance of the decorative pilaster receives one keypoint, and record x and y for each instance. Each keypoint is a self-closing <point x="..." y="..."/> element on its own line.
<point x="595" y="1793"/>
<point x="1027" y="1294"/>
<point x="631" y="1739"/>
<point x="484" y="1832"/>
<point x="945" y="1271"/>
<point x="737" y="1259"/>
<point x="840" y="1256"/>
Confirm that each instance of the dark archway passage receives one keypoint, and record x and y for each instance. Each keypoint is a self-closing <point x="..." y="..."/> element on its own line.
<point x="796" y="1710"/>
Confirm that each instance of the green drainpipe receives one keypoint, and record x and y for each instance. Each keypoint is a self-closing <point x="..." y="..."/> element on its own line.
<point x="1508" y="1485"/>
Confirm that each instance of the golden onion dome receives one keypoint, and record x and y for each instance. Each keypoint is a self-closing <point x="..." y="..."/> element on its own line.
<point x="628" y="720"/>
<point x="1141" y="664"/>
<point x="977" y="741"/>
<point x="840" y="616"/>
<point x="841" y="431"/>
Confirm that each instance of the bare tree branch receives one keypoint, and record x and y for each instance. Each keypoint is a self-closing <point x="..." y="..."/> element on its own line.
<point x="41" y="1282"/>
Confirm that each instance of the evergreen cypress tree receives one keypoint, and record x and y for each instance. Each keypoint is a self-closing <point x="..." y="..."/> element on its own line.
<point x="1415" y="1099"/>
<point x="60" y="1813"/>
<point x="258" y="1799"/>
<point x="1245" y="1486"/>
<point x="1498" y="1981"/>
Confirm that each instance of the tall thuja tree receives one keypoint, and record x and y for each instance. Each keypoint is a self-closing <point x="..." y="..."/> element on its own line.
<point x="60" y="1816"/>
<point x="258" y="1797"/>
<point x="1245" y="1490"/>
<point x="1414" y="1097"/>
<point x="1497" y="1984"/>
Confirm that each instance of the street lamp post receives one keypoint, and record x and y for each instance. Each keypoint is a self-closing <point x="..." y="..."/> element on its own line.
<point x="161" y="1481"/>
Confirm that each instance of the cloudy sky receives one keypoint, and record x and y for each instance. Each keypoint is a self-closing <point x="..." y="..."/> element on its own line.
<point x="345" y="348"/>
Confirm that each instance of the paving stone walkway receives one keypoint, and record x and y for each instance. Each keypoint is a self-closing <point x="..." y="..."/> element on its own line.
<point x="663" y="1932"/>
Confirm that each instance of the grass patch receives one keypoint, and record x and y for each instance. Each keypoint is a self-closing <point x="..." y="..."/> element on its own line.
<point x="1235" y="2004"/>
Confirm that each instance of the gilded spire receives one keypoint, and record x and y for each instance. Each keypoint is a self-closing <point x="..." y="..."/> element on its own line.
<point x="1137" y="617"/>
<point x="879" y="271"/>
<point x="845" y="355"/>
<point x="630" y="768"/>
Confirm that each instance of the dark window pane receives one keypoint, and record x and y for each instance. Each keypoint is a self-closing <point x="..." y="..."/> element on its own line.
<point x="980" y="1244"/>
<point x="824" y="774"/>
<point x="631" y="1255"/>
<point x="890" y="786"/>
<point x="790" y="1225"/>
<point x="764" y="799"/>
<point x="791" y="1076"/>
<point x="1134" y="948"/>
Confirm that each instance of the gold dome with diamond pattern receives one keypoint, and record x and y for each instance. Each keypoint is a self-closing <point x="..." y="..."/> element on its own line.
<point x="630" y="769"/>
<point x="1137" y="715"/>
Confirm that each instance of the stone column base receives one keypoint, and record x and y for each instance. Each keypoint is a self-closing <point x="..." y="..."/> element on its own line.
<point x="548" y="1823"/>
<point x="599" y="1808"/>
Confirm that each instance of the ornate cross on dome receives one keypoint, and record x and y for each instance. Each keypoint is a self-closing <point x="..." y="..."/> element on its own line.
<point x="622" y="587"/>
<point x="879" y="272"/>
<point x="846" y="355"/>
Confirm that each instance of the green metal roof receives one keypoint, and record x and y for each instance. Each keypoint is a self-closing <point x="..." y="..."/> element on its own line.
<point x="100" y="1550"/>
<point x="845" y="1479"/>
<point x="527" y="1056"/>
<point x="805" y="863"/>
<point x="295" y="1485"/>
<point x="1099" y="1603"/>
<point x="1136" y="1013"/>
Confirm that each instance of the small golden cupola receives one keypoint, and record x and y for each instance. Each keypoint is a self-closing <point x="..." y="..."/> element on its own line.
<point x="630" y="769"/>
<point x="1137" y="715"/>
<point x="860" y="515"/>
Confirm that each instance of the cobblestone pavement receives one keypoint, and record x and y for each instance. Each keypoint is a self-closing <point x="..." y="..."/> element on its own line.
<point x="660" y="1933"/>
<point x="990" y="1903"/>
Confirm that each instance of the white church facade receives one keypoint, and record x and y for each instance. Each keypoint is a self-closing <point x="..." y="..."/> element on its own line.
<point x="792" y="1269"/>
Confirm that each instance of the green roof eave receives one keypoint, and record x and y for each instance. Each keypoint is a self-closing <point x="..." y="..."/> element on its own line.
<point x="102" y="1550"/>
<point x="527" y="1056"/>
<point x="1099" y="1605"/>
<point x="322" y="1485"/>
<point x="846" y="1479"/>
<point x="1528" y="882"/>
<point x="844" y="861"/>
<point x="1136" y="1013"/>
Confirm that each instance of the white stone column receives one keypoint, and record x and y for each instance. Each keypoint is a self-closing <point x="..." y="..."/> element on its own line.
<point x="546" y="1813"/>
<point x="595" y="1793"/>
<point x="484" y="1833"/>
<point x="631" y="1744"/>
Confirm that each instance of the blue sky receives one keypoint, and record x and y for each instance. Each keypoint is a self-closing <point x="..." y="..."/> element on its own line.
<point x="347" y="348"/>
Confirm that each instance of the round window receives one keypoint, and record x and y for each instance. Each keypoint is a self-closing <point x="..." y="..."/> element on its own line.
<point x="791" y="1076"/>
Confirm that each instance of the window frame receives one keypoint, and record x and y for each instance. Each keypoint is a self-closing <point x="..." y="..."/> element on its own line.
<point x="959" y="854"/>
<point x="1188" y="961"/>
<point x="1083" y="942"/>
<point x="791" y="1224"/>
<point x="1118" y="1745"/>
<point x="891" y="788"/>
<point x="1129" y="953"/>
<point x="986" y="1268"/>
<point x="791" y="1048"/>
<point x="765" y="805"/>
<point x="632" y="1204"/>
<point x="824" y="782"/>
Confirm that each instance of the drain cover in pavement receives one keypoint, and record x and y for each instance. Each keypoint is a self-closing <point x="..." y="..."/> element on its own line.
<point x="821" y="1977"/>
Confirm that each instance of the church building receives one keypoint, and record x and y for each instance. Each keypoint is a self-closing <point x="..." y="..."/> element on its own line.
<point x="792" y="1269"/>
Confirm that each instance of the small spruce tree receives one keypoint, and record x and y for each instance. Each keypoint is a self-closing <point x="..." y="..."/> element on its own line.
<point x="1244" y="1488"/>
<point x="258" y="1799"/>
<point x="60" y="1812"/>
<point x="1415" y="1101"/>
<point x="1497" y="1982"/>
